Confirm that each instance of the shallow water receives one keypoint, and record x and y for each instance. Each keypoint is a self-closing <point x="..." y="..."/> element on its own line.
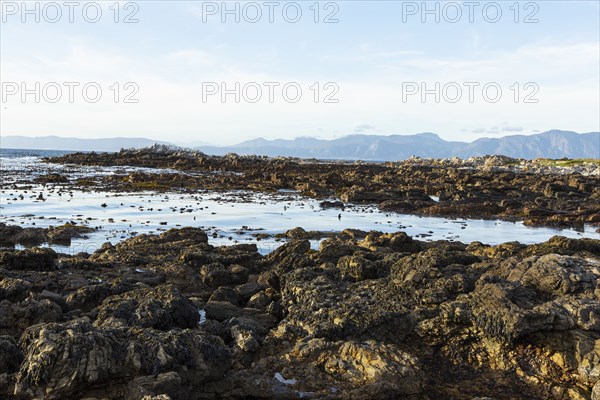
<point x="227" y="217"/>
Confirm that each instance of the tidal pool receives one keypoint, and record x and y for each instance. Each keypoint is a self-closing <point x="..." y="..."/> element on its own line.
<point x="229" y="217"/>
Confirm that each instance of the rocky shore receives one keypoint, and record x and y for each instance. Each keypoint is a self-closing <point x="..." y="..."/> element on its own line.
<point x="541" y="192"/>
<point x="367" y="316"/>
<point x="11" y="235"/>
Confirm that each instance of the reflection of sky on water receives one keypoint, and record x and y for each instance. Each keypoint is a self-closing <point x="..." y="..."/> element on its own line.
<point x="232" y="216"/>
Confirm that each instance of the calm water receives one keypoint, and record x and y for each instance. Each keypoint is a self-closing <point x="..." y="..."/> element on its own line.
<point x="227" y="217"/>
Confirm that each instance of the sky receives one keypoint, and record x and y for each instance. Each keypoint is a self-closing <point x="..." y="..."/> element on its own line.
<point x="224" y="72"/>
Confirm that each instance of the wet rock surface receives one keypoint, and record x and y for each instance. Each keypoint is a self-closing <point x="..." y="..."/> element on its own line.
<point x="11" y="235"/>
<point x="367" y="316"/>
<point x="539" y="192"/>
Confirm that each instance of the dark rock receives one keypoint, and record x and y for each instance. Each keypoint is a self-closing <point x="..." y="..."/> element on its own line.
<point x="331" y="252"/>
<point x="56" y="298"/>
<point x="10" y="355"/>
<point x="247" y="290"/>
<point x="15" y="318"/>
<point x="63" y="234"/>
<point x="91" y="296"/>
<point x="160" y="308"/>
<point x="11" y="235"/>
<point x="37" y="259"/>
<point x="14" y="290"/>
<point x="74" y="357"/>
<point x="225" y="294"/>
<point x="357" y="268"/>
<point x="269" y="279"/>
<point x="222" y="310"/>
<point x="291" y="248"/>
<point x="331" y="204"/>
<point x="368" y="316"/>
<point x="216" y="275"/>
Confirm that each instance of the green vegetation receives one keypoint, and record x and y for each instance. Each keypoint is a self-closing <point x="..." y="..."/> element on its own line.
<point x="565" y="162"/>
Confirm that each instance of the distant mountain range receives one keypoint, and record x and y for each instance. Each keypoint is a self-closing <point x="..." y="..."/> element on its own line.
<point x="551" y="144"/>
<point x="61" y="143"/>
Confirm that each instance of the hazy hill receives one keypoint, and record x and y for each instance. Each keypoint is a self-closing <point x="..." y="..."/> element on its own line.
<point x="61" y="143"/>
<point x="551" y="144"/>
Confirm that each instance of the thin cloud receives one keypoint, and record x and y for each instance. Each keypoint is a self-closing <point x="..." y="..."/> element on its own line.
<point x="512" y="129"/>
<point x="364" y="128"/>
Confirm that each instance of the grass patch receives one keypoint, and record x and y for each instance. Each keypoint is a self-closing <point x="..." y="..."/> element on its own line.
<point x="565" y="162"/>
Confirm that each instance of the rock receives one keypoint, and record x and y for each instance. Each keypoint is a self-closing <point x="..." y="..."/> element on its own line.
<point x="361" y="370"/>
<point x="259" y="301"/>
<point x="11" y="235"/>
<point x="216" y="275"/>
<point x="10" y="355"/>
<point x="221" y="310"/>
<point x="331" y="252"/>
<point x="244" y="339"/>
<point x="506" y="312"/>
<point x="368" y="316"/>
<point x="559" y="192"/>
<point x="91" y="296"/>
<point x="399" y="241"/>
<point x="8" y="233"/>
<point x="355" y="234"/>
<point x="63" y="234"/>
<point x="14" y="290"/>
<point x="326" y="307"/>
<point x="36" y="259"/>
<point x="161" y="308"/>
<point x="300" y="233"/>
<point x="296" y="233"/>
<point x="357" y="268"/>
<point x="269" y="279"/>
<point x="225" y="294"/>
<point x="247" y="290"/>
<point x="169" y="384"/>
<point x="56" y="298"/>
<point x="402" y="242"/>
<point x="291" y="248"/>
<point x="596" y="392"/>
<point x="554" y="275"/>
<point x="331" y="204"/>
<point x="159" y="397"/>
<point x="371" y="363"/>
<point x="565" y="246"/>
<point x="51" y="178"/>
<point x="64" y="359"/>
<point x="397" y="206"/>
<point x="15" y="318"/>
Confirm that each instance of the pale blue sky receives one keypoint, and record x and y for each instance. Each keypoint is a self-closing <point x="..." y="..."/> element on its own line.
<point x="370" y="54"/>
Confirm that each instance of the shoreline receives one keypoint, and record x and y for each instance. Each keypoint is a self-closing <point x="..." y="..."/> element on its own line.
<point x="491" y="188"/>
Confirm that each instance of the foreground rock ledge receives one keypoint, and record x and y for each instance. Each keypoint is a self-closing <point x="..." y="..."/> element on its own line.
<point x="368" y="316"/>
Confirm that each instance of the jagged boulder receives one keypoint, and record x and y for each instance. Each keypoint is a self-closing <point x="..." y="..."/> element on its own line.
<point x="64" y="360"/>
<point x="163" y="308"/>
<point x="36" y="259"/>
